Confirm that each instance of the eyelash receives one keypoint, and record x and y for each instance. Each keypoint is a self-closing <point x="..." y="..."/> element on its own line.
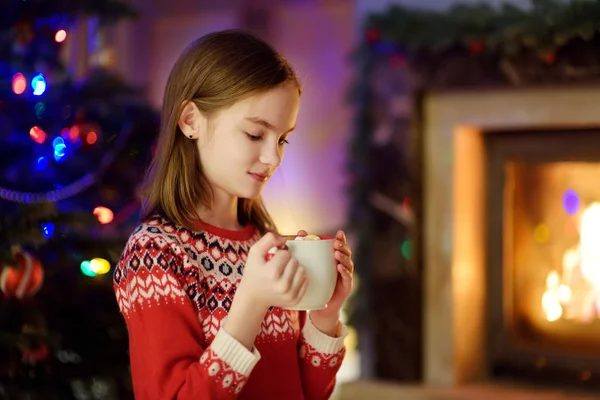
<point x="255" y="138"/>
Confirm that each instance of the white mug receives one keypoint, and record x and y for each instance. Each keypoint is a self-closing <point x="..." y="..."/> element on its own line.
<point x="317" y="259"/>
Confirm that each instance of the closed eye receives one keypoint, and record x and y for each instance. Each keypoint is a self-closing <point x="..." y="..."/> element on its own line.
<point x="254" y="138"/>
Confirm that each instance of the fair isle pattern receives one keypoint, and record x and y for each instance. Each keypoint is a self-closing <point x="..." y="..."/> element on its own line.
<point x="223" y="374"/>
<point x="167" y="268"/>
<point x="279" y="324"/>
<point x="144" y="275"/>
<point x="309" y="355"/>
<point x="168" y="264"/>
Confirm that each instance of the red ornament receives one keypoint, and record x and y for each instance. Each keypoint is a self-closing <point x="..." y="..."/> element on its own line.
<point x="476" y="47"/>
<point x="550" y="57"/>
<point x="373" y="35"/>
<point x="38" y="354"/>
<point x="24" y="279"/>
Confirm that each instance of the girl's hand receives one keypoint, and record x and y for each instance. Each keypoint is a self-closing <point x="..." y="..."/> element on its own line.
<point x="279" y="282"/>
<point x="343" y="287"/>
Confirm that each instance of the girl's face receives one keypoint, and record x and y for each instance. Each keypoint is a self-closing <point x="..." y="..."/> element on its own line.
<point x="246" y="142"/>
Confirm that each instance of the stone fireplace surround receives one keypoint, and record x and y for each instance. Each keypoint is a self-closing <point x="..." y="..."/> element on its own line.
<point x="453" y="237"/>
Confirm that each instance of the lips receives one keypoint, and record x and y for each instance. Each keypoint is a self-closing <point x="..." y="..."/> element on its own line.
<point x="259" y="177"/>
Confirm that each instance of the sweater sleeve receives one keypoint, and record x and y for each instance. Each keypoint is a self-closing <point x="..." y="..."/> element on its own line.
<point x="320" y="357"/>
<point x="168" y="360"/>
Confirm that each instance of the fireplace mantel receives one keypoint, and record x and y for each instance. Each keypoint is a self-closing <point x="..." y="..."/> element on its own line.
<point x="453" y="211"/>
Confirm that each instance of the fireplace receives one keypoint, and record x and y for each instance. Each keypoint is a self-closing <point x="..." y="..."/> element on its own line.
<point x="543" y="254"/>
<point x="508" y="234"/>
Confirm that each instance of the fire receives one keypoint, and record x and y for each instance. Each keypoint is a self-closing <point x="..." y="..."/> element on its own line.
<point x="575" y="293"/>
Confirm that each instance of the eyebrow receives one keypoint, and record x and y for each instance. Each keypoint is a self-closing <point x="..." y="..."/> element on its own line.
<point x="266" y="124"/>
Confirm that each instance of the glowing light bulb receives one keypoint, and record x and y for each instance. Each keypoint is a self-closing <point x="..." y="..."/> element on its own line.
<point x="105" y="215"/>
<point x="91" y="137"/>
<point x="38" y="83"/>
<point x="37" y="134"/>
<point x="99" y="266"/>
<point x="19" y="83"/>
<point x="86" y="268"/>
<point x="48" y="229"/>
<point x="571" y="202"/>
<point x="60" y="36"/>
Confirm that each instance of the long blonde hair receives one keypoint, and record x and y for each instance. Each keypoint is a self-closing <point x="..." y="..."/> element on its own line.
<point x="214" y="72"/>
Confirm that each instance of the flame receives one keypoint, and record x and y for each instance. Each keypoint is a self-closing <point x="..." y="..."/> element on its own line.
<point x="583" y="261"/>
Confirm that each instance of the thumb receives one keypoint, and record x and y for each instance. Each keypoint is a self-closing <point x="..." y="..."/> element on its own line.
<point x="302" y="232"/>
<point x="265" y="243"/>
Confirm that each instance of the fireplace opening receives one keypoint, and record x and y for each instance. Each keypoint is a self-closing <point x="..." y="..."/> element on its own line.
<point x="543" y="255"/>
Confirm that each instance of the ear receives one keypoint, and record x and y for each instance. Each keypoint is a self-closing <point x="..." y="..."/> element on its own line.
<point x="191" y="120"/>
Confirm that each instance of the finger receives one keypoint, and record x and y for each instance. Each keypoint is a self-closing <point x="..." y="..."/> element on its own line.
<point x="301" y="291"/>
<point x="279" y="262"/>
<point x="345" y="274"/>
<point x="264" y="244"/>
<point x="302" y="232"/>
<point x="341" y="236"/>
<point x="298" y="280"/>
<point x="289" y="272"/>
<point x="349" y="264"/>
<point x="343" y="259"/>
<point x="344" y="248"/>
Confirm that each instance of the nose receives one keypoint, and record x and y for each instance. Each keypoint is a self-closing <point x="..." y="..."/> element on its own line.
<point x="271" y="155"/>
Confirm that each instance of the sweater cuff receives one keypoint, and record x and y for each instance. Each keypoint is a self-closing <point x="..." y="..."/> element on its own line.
<point x="320" y="341"/>
<point x="232" y="352"/>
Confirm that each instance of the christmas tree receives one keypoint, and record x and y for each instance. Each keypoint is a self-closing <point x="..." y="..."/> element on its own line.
<point x="73" y="150"/>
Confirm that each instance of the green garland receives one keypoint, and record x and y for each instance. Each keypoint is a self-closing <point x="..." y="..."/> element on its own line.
<point x="359" y="168"/>
<point x="546" y="26"/>
<point x="550" y="41"/>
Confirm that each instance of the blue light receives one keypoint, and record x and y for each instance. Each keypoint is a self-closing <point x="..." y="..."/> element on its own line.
<point x="385" y="47"/>
<point x="571" y="202"/>
<point x="59" y="152"/>
<point x="41" y="163"/>
<point x="60" y="149"/>
<point x="57" y="141"/>
<point x="38" y="83"/>
<point x="48" y="229"/>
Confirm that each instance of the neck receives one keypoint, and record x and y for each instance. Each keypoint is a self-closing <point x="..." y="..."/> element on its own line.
<point x="223" y="213"/>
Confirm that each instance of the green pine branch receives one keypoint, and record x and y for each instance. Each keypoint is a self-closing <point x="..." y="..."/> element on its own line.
<point x="107" y="11"/>
<point x="24" y="227"/>
<point x="545" y="25"/>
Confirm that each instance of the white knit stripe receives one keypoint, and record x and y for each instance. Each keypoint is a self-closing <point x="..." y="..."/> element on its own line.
<point x="26" y="278"/>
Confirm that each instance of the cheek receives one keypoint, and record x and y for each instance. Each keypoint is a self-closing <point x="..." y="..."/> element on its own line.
<point x="205" y="151"/>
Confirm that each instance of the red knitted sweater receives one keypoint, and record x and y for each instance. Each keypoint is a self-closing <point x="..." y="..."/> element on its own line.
<point x="175" y="286"/>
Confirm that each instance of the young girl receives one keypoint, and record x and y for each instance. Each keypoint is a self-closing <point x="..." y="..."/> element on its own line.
<point x="206" y="313"/>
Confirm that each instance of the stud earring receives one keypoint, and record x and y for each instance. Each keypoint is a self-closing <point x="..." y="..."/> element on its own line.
<point x="191" y="136"/>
